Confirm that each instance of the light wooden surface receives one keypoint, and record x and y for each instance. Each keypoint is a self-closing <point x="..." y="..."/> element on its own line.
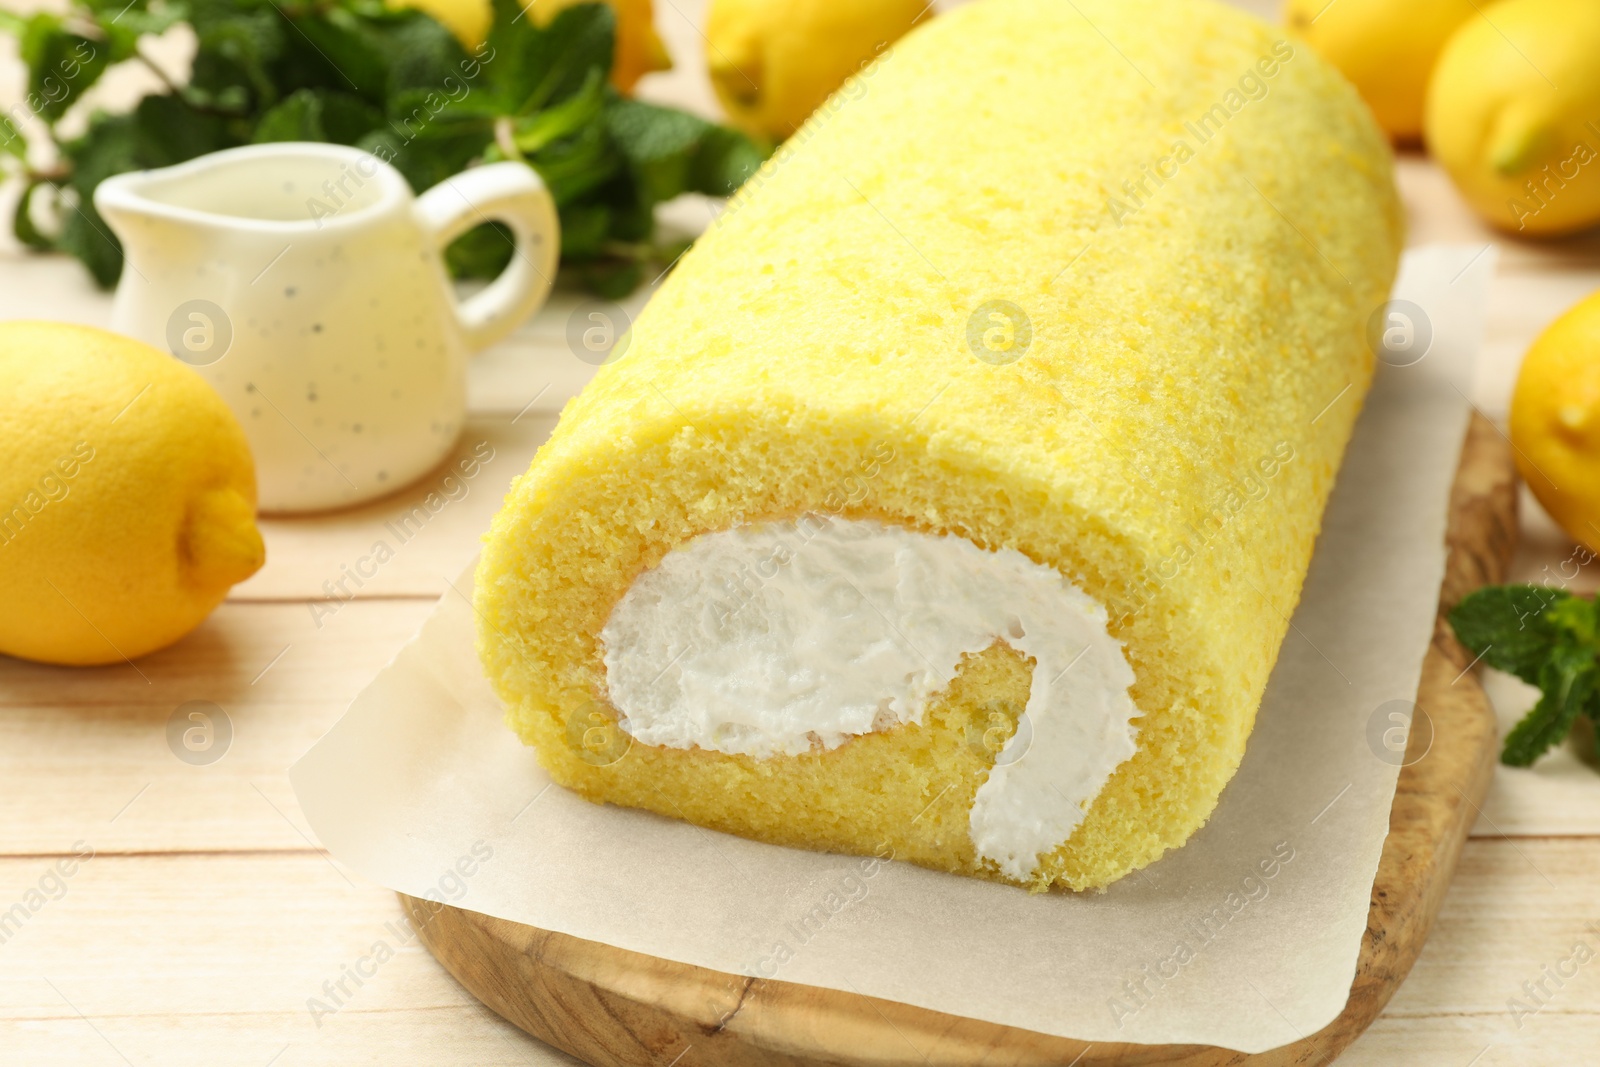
<point x="618" y="1008"/>
<point x="207" y="918"/>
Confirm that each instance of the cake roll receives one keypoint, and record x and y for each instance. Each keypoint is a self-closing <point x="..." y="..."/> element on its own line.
<point x="950" y="499"/>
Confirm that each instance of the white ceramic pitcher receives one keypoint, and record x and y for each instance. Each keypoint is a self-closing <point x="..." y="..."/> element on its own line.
<point x="307" y="285"/>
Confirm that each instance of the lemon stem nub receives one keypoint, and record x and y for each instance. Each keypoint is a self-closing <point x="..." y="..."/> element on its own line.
<point x="1519" y="139"/>
<point x="220" y="542"/>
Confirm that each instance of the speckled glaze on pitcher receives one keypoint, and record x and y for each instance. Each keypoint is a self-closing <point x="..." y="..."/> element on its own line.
<point x="307" y="284"/>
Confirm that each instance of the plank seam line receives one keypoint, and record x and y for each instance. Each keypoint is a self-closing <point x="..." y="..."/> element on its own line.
<point x="1475" y="836"/>
<point x="322" y="599"/>
<point x="174" y="853"/>
<point x="472" y="1006"/>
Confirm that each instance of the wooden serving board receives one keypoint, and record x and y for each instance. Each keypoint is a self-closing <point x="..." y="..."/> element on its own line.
<point x="614" y="1008"/>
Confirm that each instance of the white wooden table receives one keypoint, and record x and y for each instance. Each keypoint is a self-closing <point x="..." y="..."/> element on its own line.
<point x="207" y="917"/>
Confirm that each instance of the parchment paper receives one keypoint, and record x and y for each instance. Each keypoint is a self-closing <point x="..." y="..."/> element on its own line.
<point x="1246" y="938"/>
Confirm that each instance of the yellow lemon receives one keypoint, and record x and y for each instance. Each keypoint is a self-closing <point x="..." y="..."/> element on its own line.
<point x="127" y="496"/>
<point x="1385" y="47"/>
<point x="773" y="62"/>
<point x="1555" y="420"/>
<point x="638" y="49"/>
<point x="1512" y="114"/>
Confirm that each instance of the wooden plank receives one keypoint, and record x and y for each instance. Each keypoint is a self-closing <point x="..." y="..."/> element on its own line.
<point x="176" y="959"/>
<point x="179" y="958"/>
<point x="467" y="1034"/>
<point x="1474" y="1041"/>
<point x="412" y="543"/>
<point x="84" y="753"/>
<point x="1514" y="914"/>
<point x="1437" y="214"/>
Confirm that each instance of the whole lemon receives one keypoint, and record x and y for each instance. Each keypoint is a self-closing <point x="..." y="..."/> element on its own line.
<point x="1512" y="110"/>
<point x="1555" y="420"/>
<point x="773" y="62"/>
<point x="127" y="496"/>
<point x="638" y="49"/>
<point x="1385" y="47"/>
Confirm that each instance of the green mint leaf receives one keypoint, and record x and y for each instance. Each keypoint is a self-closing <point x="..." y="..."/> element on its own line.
<point x="22" y="221"/>
<point x="528" y="68"/>
<point x="1568" y="683"/>
<point x="85" y="235"/>
<point x="109" y="146"/>
<point x="1574" y="618"/>
<point x="536" y="132"/>
<point x="658" y="144"/>
<point x="239" y="54"/>
<point x="125" y="23"/>
<point x="584" y="228"/>
<point x="580" y="165"/>
<point x="61" y="65"/>
<point x="482" y="252"/>
<point x="1508" y="626"/>
<point x="1591" y="711"/>
<point x="648" y="133"/>
<point x="319" y="115"/>
<point x="11" y="141"/>
<point x="436" y="151"/>
<point x="168" y="131"/>
<point x="723" y="162"/>
<point x="610" y="279"/>
<point x="346" y="119"/>
<point x="633" y="221"/>
<point x="297" y="117"/>
<point x="332" y="48"/>
<point x="427" y="58"/>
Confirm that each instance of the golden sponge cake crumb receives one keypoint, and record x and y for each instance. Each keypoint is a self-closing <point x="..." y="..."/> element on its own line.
<point x="1167" y="441"/>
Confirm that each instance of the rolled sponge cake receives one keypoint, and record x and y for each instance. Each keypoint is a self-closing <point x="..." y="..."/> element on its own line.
<point x="1178" y="222"/>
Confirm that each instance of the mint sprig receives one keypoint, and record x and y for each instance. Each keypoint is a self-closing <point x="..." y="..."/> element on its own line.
<point x="1548" y="638"/>
<point x="393" y="82"/>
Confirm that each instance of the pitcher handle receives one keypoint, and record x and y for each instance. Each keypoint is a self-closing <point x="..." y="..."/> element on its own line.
<point x="514" y="194"/>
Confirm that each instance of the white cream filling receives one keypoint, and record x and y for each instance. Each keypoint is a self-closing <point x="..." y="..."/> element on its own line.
<point x="786" y="637"/>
